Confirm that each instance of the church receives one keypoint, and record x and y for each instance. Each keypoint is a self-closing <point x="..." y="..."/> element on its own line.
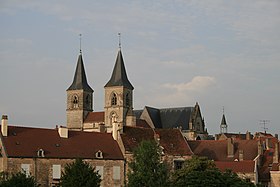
<point x="119" y="109"/>
<point x="105" y="139"/>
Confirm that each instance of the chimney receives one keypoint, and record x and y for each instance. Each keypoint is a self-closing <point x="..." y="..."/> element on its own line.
<point x="115" y="130"/>
<point x="248" y="135"/>
<point x="4" y="125"/>
<point x="63" y="132"/>
<point x="267" y="144"/>
<point x="241" y="155"/>
<point x="276" y="153"/>
<point x="260" y="148"/>
<point x="230" y="147"/>
<point x="276" y="136"/>
<point x="101" y="127"/>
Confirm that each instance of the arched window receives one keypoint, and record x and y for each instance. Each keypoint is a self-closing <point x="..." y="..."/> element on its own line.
<point x="75" y="101"/>
<point x="127" y="99"/>
<point x="114" y="99"/>
<point x="40" y="153"/>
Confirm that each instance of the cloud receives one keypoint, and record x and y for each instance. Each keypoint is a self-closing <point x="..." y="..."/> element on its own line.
<point x="197" y="84"/>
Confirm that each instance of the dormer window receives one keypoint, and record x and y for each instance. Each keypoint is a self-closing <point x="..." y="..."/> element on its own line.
<point x="99" y="154"/>
<point x="40" y="153"/>
<point x="75" y="101"/>
<point x="114" y="99"/>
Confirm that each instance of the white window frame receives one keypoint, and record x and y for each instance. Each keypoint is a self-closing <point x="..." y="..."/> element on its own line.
<point x="56" y="171"/>
<point x="100" y="170"/>
<point x="116" y="172"/>
<point x="25" y="168"/>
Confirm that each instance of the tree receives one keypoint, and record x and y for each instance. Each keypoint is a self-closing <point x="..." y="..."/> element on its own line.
<point x="80" y="174"/>
<point x="146" y="168"/>
<point x="199" y="172"/>
<point x="17" y="180"/>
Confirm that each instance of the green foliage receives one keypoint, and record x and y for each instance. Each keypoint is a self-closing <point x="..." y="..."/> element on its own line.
<point x="146" y="167"/>
<point x="17" y="180"/>
<point x="80" y="174"/>
<point x="200" y="172"/>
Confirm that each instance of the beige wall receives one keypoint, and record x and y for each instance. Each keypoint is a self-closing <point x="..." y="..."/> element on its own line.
<point x="41" y="169"/>
<point x="275" y="178"/>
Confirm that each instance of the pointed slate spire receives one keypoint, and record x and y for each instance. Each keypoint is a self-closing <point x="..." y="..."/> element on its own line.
<point x="223" y="122"/>
<point x="119" y="77"/>
<point x="80" y="79"/>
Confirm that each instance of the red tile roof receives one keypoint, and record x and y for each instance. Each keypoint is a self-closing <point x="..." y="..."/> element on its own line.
<point x="142" y="123"/>
<point x="170" y="139"/>
<point x="217" y="149"/>
<point x="95" y="117"/>
<point x="247" y="166"/>
<point x="26" y="141"/>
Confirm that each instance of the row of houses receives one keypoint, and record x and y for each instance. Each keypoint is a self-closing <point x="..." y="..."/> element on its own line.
<point x="106" y="139"/>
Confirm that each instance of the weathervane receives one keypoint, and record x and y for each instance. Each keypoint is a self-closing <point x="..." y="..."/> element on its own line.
<point x="119" y="34"/>
<point x="80" y="35"/>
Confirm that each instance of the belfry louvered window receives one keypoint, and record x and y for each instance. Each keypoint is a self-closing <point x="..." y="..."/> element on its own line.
<point x="114" y="99"/>
<point x="75" y="102"/>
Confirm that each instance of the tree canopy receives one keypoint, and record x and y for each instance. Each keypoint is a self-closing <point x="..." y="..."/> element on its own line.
<point x="200" y="172"/>
<point x="17" y="180"/>
<point x="146" y="168"/>
<point x="80" y="174"/>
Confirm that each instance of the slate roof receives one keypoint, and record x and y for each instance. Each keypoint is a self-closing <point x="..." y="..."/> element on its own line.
<point x="94" y="117"/>
<point x="119" y="77"/>
<point x="217" y="149"/>
<point x="247" y="166"/>
<point x="170" y="139"/>
<point x="169" y="118"/>
<point x="26" y="141"/>
<point x="223" y="122"/>
<point x="80" y="79"/>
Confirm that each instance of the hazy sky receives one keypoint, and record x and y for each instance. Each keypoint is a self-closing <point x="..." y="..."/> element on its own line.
<point x="177" y="52"/>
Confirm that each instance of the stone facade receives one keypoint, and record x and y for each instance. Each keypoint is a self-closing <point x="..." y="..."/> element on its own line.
<point x="79" y="104"/>
<point x="42" y="169"/>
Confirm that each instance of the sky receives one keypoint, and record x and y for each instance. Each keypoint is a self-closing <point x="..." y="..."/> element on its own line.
<point x="219" y="53"/>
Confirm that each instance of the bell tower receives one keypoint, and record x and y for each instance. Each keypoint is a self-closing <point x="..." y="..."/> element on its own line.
<point x="79" y="98"/>
<point x="118" y="95"/>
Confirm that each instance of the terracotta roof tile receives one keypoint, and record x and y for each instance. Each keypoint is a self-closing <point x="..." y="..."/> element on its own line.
<point x="170" y="139"/>
<point x="26" y="141"/>
<point x="217" y="149"/>
<point x="237" y="167"/>
<point x="95" y="117"/>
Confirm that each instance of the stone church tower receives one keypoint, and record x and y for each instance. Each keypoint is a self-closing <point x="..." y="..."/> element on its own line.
<point x="118" y="95"/>
<point x="79" y="98"/>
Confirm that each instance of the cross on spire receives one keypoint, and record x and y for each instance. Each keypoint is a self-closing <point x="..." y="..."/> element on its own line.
<point x="119" y="34"/>
<point x="80" y="35"/>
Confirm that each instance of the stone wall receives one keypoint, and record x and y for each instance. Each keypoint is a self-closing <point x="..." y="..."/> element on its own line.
<point x="275" y="178"/>
<point x="41" y="169"/>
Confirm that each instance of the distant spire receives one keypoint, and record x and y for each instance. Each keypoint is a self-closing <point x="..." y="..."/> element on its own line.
<point x="223" y="125"/>
<point x="80" y="35"/>
<point x="120" y="45"/>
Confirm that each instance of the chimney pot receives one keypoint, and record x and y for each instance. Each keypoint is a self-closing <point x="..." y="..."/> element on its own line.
<point x="4" y="125"/>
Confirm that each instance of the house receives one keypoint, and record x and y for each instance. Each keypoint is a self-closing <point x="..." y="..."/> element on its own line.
<point x="43" y="153"/>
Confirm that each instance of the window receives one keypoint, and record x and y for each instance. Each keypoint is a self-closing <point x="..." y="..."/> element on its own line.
<point x="40" y="153"/>
<point x="114" y="99"/>
<point x="99" y="154"/>
<point x="75" y="101"/>
<point x="116" y="172"/>
<point x="25" y="168"/>
<point x="127" y="99"/>
<point x="56" y="171"/>
<point x="178" y="164"/>
<point x="99" y="169"/>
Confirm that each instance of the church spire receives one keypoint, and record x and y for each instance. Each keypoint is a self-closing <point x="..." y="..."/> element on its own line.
<point x="223" y="126"/>
<point x="119" y="77"/>
<point x="80" y="79"/>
